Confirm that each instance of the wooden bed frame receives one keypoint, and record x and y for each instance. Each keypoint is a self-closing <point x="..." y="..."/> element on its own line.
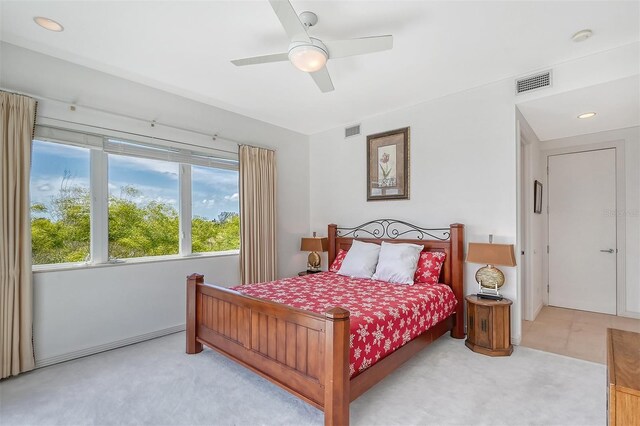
<point x="306" y="353"/>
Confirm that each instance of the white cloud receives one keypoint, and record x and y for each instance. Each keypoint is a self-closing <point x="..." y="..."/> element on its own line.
<point x="144" y="164"/>
<point x="146" y="193"/>
<point x="233" y="197"/>
<point x="214" y="177"/>
<point x="44" y="187"/>
<point x="164" y="200"/>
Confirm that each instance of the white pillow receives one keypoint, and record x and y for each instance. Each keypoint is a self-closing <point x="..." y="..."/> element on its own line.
<point x="397" y="263"/>
<point x="361" y="260"/>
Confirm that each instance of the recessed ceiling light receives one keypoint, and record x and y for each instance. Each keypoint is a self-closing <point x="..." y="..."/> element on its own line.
<point x="587" y="115"/>
<point x="581" y="35"/>
<point x="48" y="24"/>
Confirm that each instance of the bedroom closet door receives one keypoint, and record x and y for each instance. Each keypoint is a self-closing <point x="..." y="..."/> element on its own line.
<point x="582" y="230"/>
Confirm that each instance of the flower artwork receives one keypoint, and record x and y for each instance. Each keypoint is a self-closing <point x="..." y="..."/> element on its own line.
<point x="388" y="165"/>
<point x="387" y="162"/>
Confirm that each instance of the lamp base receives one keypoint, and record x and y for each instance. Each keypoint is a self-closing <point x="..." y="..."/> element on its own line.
<point x="485" y="292"/>
<point x="489" y="296"/>
<point x="490" y="277"/>
<point x="313" y="262"/>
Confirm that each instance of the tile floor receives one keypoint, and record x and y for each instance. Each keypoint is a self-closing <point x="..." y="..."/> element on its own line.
<point x="573" y="333"/>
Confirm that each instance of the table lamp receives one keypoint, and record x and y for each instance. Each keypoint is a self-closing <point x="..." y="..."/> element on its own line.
<point x="490" y="278"/>
<point x="314" y="245"/>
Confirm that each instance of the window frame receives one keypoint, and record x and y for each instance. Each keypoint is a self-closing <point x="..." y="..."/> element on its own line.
<point x="100" y="146"/>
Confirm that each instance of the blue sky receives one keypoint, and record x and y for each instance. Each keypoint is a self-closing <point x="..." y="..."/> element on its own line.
<point x="213" y="190"/>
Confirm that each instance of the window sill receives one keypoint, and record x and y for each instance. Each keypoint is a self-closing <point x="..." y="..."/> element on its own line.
<point x="134" y="261"/>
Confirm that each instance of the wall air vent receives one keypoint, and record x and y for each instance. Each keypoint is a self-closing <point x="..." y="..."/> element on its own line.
<point x="352" y="131"/>
<point x="533" y="82"/>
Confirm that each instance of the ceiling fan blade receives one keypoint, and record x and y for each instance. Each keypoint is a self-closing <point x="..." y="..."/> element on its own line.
<point x="322" y="79"/>
<point x="358" y="46"/>
<point x="276" y="57"/>
<point x="289" y="20"/>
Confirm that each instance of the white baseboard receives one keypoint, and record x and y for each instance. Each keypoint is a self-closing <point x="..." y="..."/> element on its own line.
<point x="515" y="340"/>
<point x="107" y="346"/>
<point x="537" y="311"/>
<point x="630" y="314"/>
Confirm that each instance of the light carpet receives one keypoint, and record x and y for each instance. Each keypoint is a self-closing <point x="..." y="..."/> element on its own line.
<point x="156" y="383"/>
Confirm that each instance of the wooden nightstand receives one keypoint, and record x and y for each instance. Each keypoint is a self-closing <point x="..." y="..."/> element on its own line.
<point x="489" y="326"/>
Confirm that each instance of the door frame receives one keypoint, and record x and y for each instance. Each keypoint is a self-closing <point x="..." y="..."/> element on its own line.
<point x="517" y="308"/>
<point x="618" y="145"/>
<point x="526" y="206"/>
<point x="525" y="140"/>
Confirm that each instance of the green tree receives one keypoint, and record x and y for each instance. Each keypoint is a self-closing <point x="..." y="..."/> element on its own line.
<point x="64" y="237"/>
<point x="215" y="235"/>
<point x="61" y="228"/>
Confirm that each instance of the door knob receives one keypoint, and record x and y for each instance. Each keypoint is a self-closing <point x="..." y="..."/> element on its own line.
<point x="607" y="251"/>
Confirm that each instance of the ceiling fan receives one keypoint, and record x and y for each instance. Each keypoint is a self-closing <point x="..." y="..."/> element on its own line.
<point x="310" y="54"/>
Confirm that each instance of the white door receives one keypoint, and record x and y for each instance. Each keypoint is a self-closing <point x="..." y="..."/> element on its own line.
<point x="582" y="230"/>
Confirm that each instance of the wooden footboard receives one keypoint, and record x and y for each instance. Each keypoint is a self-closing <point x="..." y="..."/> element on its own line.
<point x="305" y="353"/>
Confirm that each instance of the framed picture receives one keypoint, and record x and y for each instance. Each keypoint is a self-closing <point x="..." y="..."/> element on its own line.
<point x="388" y="165"/>
<point x="537" y="197"/>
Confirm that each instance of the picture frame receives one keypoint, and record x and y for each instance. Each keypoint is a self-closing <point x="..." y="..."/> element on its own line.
<point x="388" y="165"/>
<point x="537" y="197"/>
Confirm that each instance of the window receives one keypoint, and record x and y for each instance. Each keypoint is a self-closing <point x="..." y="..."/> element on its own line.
<point x="215" y="223"/>
<point x="60" y="203"/>
<point x="95" y="199"/>
<point x="143" y="207"/>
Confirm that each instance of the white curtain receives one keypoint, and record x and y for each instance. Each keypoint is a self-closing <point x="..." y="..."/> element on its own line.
<point x="17" y="114"/>
<point x="258" y="258"/>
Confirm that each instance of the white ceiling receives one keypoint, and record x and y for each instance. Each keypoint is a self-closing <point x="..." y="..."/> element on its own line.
<point x="616" y="104"/>
<point x="439" y="48"/>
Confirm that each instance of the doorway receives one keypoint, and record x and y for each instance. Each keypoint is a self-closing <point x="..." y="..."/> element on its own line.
<point x="582" y="229"/>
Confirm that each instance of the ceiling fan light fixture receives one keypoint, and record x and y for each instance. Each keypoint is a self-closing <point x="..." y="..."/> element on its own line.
<point x="307" y="57"/>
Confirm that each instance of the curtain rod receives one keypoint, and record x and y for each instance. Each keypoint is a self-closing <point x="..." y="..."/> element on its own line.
<point x="136" y="134"/>
<point x="153" y="123"/>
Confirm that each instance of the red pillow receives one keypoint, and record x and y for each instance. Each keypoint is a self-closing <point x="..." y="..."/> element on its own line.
<point x="429" y="266"/>
<point x="337" y="262"/>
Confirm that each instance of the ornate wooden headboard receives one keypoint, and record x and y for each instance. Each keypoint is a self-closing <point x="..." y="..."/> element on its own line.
<point x="449" y="240"/>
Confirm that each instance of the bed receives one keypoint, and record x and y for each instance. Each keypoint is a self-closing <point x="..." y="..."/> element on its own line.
<point x="308" y="353"/>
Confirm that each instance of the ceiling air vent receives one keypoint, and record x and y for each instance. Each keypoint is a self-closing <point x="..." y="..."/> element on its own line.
<point x="352" y="131"/>
<point x="533" y="82"/>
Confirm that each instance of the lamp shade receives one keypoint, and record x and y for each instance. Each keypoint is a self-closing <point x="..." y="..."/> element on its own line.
<point x="314" y="244"/>
<point x="491" y="254"/>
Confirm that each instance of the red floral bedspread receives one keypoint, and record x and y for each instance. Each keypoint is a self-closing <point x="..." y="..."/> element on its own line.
<point x="383" y="317"/>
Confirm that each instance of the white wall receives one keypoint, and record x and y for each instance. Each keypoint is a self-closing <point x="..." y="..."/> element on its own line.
<point x="610" y="65"/>
<point x="607" y="66"/>
<point x="94" y="307"/>
<point x="631" y="215"/>
<point x="81" y="311"/>
<point x="463" y="160"/>
<point x="463" y="169"/>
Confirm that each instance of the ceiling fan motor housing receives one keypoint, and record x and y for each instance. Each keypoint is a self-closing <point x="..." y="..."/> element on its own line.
<point x="308" y="19"/>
